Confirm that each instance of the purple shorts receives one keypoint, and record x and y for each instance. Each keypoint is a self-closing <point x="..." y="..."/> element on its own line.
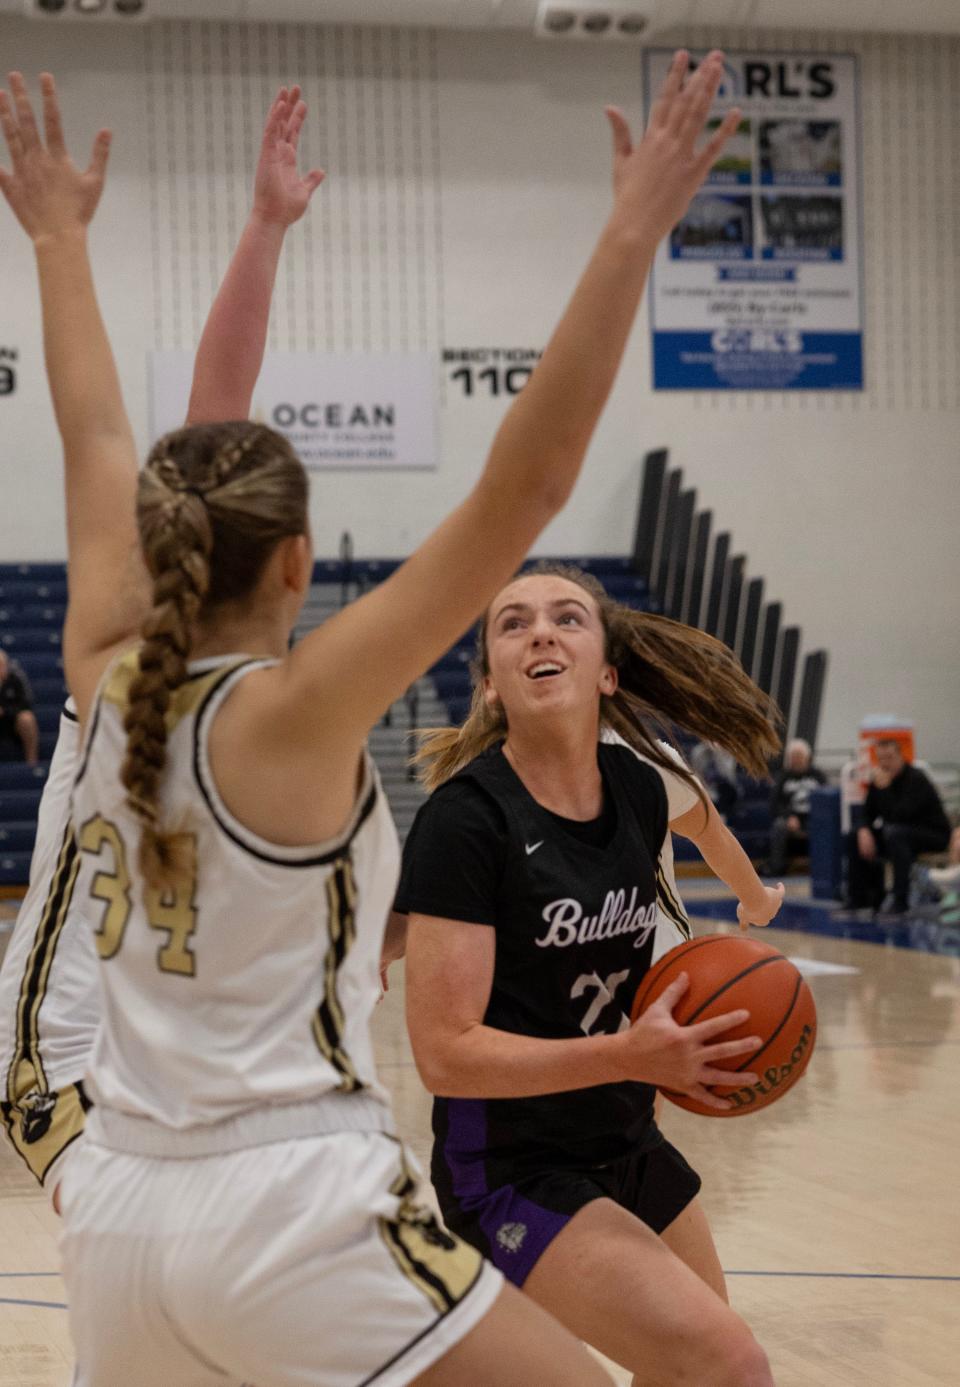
<point x="514" y="1224"/>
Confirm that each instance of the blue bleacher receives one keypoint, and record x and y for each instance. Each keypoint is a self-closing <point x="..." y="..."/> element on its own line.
<point x="24" y="590"/>
<point x="40" y="664"/>
<point x="14" y="868"/>
<point x="46" y="615"/>
<point x="49" y="688"/>
<point x="15" y="775"/>
<point x="19" y="805"/>
<point x="17" y="836"/>
<point x="33" y="600"/>
<point x="19" y="640"/>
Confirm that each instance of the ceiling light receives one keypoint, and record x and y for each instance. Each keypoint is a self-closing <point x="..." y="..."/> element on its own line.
<point x="90" y="6"/>
<point x="596" y="23"/>
<point x="559" y="21"/>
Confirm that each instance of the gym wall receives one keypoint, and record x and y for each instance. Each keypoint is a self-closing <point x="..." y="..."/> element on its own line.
<point x="468" y="176"/>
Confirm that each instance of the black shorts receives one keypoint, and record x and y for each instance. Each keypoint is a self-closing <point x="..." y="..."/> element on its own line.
<point x="514" y="1224"/>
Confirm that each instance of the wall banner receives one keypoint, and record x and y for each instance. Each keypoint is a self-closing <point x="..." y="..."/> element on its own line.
<point x="365" y="413"/>
<point x="759" y="287"/>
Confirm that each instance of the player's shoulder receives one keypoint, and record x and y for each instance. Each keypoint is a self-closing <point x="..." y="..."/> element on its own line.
<point x="463" y="798"/>
<point x="614" y="744"/>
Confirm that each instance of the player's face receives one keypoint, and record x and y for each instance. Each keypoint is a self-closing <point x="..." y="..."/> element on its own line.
<point x="546" y="649"/>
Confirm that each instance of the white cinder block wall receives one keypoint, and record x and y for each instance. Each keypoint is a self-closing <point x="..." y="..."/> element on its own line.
<point x="468" y="176"/>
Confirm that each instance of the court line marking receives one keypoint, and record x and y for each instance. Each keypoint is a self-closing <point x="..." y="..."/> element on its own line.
<point x="21" y="1275"/>
<point x="847" y="1275"/>
<point x="43" y="1304"/>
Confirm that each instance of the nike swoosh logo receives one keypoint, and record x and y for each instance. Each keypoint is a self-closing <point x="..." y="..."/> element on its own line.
<point x="532" y="847"/>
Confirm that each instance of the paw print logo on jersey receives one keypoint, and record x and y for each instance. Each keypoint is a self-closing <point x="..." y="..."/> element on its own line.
<point x="511" y="1236"/>
<point x="37" y="1109"/>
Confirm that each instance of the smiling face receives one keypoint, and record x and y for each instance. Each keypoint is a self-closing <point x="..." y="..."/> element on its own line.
<point x="546" y="651"/>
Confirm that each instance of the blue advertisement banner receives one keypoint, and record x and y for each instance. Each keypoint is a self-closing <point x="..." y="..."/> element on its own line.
<point x="759" y="286"/>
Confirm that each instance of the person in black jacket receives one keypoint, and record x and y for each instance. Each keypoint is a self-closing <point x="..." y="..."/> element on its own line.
<point x="902" y="817"/>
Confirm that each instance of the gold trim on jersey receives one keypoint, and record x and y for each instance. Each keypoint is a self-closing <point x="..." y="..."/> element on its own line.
<point x="329" y="1022"/>
<point x="41" y="1124"/>
<point x="44" y="1124"/>
<point x="442" y="1267"/>
<point x="26" y="1067"/>
<point x="671" y="905"/>
<point x="183" y="701"/>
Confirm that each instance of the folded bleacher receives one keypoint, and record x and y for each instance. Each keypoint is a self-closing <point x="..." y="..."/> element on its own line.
<point x="32" y="607"/>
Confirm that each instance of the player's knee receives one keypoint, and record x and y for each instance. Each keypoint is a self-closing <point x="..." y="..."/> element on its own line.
<point x="744" y="1362"/>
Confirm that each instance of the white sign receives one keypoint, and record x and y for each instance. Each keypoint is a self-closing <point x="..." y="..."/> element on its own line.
<point x="759" y="286"/>
<point x="361" y="412"/>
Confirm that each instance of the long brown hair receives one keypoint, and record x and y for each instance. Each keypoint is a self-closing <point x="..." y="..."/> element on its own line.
<point x="213" y="502"/>
<point x="670" y="676"/>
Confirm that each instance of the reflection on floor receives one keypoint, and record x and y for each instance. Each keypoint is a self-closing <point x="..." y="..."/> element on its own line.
<point x="922" y="929"/>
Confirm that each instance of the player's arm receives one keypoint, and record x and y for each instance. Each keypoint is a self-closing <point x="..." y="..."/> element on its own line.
<point x="449" y="977"/>
<point x="231" y="348"/>
<point x="758" y="904"/>
<point x="54" y="202"/>
<point x="341" y="678"/>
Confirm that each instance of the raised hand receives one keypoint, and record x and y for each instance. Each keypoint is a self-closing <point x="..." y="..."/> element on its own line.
<point x="280" y="195"/>
<point x="655" y="179"/>
<point x="682" y="1058"/>
<point x="49" y="195"/>
<point x="762" y="910"/>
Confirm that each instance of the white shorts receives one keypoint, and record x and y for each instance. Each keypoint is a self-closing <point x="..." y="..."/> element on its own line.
<point x="296" y="1264"/>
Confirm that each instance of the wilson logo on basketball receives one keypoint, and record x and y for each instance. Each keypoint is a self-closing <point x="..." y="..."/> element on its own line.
<point x="776" y="1077"/>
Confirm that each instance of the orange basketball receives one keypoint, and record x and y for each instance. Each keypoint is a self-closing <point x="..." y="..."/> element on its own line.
<point x="727" y="972"/>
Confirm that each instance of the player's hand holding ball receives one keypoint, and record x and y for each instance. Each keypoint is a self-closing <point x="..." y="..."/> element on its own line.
<point x="682" y="1059"/>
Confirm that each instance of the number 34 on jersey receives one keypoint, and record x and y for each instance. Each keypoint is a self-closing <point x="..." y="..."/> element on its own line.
<point x="171" y="911"/>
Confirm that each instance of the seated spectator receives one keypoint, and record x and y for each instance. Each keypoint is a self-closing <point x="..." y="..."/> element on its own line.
<point x="902" y="817"/>
<point x="717" y="771"/>
<point x="19" y="737"/>
<point x="790" y="806"/>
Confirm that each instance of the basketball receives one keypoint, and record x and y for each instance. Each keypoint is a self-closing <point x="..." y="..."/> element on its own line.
<point x="728" y="972"/>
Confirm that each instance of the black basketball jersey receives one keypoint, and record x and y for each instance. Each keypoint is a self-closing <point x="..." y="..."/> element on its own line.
<point x="575" y="926"/>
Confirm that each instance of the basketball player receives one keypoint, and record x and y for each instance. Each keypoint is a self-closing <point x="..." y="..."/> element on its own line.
<point x="539" y="891"/>
<point x="49" y="1001"/>
<point x="240" y="1201"/>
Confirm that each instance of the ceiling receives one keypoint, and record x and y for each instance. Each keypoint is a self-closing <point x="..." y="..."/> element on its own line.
<point x="662" y="16"/>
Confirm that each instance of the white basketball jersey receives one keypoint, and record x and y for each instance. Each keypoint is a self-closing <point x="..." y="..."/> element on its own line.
<point x="673" y="926"/>
<point x="255" y="984"/>
<point x="49" y="1004"/>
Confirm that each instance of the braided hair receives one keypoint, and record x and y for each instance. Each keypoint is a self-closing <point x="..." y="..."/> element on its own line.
<point x="213" y="502"/>
<point x="669" y="676"/>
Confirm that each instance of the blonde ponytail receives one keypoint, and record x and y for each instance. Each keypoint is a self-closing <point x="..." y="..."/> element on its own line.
<point x="214" y="501"/>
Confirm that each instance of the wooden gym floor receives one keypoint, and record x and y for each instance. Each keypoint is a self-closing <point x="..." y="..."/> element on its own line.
<point x="836" y="1213"/>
